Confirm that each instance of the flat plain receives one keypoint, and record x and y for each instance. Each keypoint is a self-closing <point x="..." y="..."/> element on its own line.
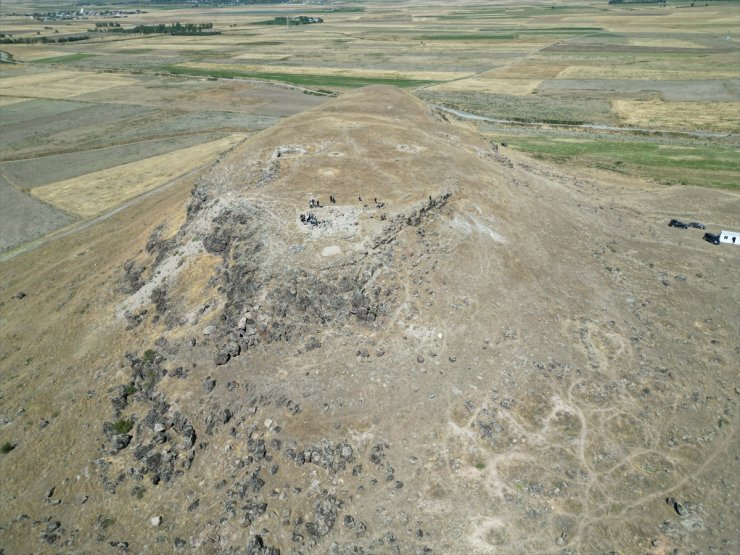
<point x="645" y="68"/>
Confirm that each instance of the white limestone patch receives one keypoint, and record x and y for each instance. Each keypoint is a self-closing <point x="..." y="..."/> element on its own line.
<point x="331" y="251"/>
<point x="471" y="224"/>
<point x="166" y="272"/>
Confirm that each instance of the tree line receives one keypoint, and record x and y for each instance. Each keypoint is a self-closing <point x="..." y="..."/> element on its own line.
<point x="33" y="40"/>
<point x="161" y="28"/>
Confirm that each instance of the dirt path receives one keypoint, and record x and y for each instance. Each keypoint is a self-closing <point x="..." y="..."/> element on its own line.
<point x="74" y="228"/>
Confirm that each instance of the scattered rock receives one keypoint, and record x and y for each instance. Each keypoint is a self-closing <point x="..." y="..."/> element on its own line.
<point x="256" y="546"/>
<point x="312" y="344"/>
<point x="53" y="525"/>
<point x="231" y="350"/>
<point x="231" y="386"/>
<point x="222" y="357"/>
<point x="120" y="441"/>
<point x="325" y="515"/>
<point x="216" y="243"/>
<point x="208" y="384"/>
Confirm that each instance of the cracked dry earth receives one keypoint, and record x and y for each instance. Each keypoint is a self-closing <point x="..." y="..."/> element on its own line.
<point x="468" y="352"/>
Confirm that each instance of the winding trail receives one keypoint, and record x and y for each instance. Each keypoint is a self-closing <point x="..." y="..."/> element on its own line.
<point x="584" y="126"/>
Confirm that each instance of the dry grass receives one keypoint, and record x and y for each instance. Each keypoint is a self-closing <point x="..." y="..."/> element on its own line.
<point x="525" y="71"/>
<point x="157" y="45"/>
<point x="97" y="192"/>
<point x="60" y="84"/>
<point x="513" y="87"/>
<point x="30" y="53"/>
<point x="716" y="116"/>
<point x="631" y="72"/>
<point x="663" y="42"/>
<point x="190" y="288"/>
<point x="332" y="72"/>
<point x="263" y="56"/>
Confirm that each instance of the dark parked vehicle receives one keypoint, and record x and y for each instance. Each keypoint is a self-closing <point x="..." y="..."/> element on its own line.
<point x="711" y="238"/>
<point x="697" y="225"/>
<point x="676" y="223"/>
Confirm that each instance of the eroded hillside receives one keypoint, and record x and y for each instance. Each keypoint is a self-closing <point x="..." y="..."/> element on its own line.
<point x="466" y="351"/>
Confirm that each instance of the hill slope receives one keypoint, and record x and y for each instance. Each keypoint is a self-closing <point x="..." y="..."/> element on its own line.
<point x="467" y="352"/>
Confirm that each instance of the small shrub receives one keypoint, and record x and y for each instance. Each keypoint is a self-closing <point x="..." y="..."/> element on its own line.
<point x="123" y="426"/>
<point x="149" y="355"/>
<point x="480" y="465"/>
<point x="130" y="389"/>
<point x="6" y="447"/>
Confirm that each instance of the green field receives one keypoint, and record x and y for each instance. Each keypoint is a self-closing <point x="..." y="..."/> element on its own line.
<point x="296" y="78"/>
<point x="708" y="165"/>
<point x="64" y="59"/>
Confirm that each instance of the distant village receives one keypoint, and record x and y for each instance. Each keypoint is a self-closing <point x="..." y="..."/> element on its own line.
<point x="82" y="13"/>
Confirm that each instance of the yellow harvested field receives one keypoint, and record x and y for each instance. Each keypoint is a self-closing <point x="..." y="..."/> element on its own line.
<point x="514" y="87"/>
<point x="202" y="43"/>
<point x="166" y="47"/>
<point x="31" y="53"/>
<point x="713" y="116"/>
<point x="524" y="71"/>
<point x="60" y="84"/>
<point x="261" y="56"/>
<point x="663" y="42"/>
<point x="8" y="100"/>
<point x="99" y="191"/>
<point x="606" y="71"/>
<point x="331" y="71"/>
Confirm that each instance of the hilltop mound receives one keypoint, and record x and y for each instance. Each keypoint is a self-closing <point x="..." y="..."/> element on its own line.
<point x="465" y="351"/>
<point x="301" y="225"/>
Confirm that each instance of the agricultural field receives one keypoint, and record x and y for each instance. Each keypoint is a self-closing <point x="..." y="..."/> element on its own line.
<point x="548" y="78"/>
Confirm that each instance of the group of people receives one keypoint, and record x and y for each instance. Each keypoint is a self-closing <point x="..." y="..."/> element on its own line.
<point x="310" y="217"/>
<point x="315" y="203"/>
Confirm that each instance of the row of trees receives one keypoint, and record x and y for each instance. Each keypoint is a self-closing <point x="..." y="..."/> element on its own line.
<point x="161" y="28"/>
<point x="34" y="40"/>
<point x="300" y="20"/>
